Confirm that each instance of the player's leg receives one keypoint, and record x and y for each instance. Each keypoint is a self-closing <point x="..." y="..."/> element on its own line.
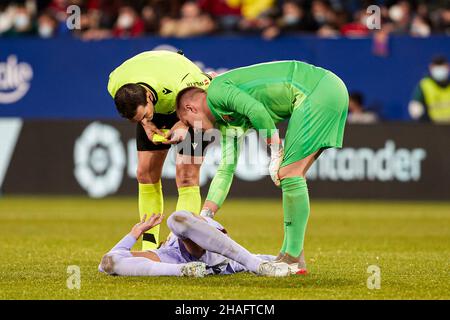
<point x="296" y="209"/>
<point x="197" y="234"/>
<point x="149" y="169"/>
<point x="316" y="124"/>
<point x="188" y="163"/>
<point x="188" y="180"/>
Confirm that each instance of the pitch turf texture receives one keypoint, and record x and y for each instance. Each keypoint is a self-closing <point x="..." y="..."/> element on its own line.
<point x="409" y="242"/>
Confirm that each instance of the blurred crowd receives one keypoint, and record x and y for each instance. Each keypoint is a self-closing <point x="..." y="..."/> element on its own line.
<point x="100" y="19"/>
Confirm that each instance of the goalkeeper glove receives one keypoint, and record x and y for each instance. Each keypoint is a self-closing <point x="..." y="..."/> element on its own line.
<point x="207" y="213"/>
<point x="276" y="156"/>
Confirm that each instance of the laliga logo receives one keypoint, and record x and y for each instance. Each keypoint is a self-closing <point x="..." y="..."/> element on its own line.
<point x="14" y="80"/>
<point x="99" y="158"/>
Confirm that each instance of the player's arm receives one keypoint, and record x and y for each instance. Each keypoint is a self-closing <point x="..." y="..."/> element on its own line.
<point x="220" y="185"/>
<point x="239" y="101"/>
<point x="234" y="99"/>
<point x="417" y="106"/>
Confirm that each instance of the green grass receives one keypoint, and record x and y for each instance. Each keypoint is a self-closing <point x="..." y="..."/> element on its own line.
<point x="410" y="242"/>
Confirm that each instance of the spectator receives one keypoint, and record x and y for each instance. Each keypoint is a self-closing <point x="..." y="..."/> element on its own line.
<point x="357" y="27"/>
<point x="326" y="18"/>
<point x="442" y="20"/>
<point x="128" y="23"/>
<point x="17" y="20"/>
<point x="291" y="20"/>
<point x="151" y="20"/>
<point x="357" y="111"/>
<point x="431" y="98"/>
<point x="193" y="22"/>
<point x="47" y="25"/>
<point x="250" y="9"/>
<point x="420" y="27"/>
<point x="226" y="16"/>
<point x="400" y="16"/>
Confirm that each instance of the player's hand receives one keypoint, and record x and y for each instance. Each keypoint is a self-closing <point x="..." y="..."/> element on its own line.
<point x="151" y="129"/>
<point x="177" y="133"/>
<point x="276" y="156"/>
<point x="145" y="225"/>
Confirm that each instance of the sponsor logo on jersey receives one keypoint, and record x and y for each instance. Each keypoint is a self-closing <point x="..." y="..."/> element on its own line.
<point x="166" y="91"/>
<point x="15" y="80"/>
<point x="197" y="83"/>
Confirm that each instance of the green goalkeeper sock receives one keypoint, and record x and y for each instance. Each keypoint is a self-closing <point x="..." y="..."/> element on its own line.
<point x="296" y="213"/>
<point x="150" y="201"/>
<point x="283" y="247"/>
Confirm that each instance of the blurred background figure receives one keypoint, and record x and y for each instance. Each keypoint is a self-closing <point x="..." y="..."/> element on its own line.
<point x="192" y="22"/>
<point x="431" y="98"/>
<point x="18" y="20"/>
<point x="293" y="19"/>
<point x="47" y="25"/>
<point x="226" y="16"/>
<point x="184" y="18"/>
<point x="129" y="23"/>
<point x="357" y="113"/>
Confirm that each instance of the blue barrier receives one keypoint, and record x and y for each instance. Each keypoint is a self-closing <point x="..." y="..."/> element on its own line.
<point x="66" y="78"/>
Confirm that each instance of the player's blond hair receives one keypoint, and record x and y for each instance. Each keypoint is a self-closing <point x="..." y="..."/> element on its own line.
<point x="183" y="95"/>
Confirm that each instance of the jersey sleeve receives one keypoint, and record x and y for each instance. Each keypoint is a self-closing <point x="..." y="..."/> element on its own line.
<point x="418" y="95"/>
<point x="231" y="98"/>
<point x="221" y="183"/>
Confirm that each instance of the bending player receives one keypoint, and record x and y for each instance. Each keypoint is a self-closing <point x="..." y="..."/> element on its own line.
<point x="144" y="89"/>
<point x="313" y="99"/>
<point x="197" y="246"/>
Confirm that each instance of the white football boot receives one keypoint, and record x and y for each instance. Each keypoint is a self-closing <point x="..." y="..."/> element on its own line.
<point x="270" y="269"/>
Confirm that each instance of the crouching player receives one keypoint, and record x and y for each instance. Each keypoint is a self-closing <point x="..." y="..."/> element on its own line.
<point x="314" y="100"/>
<point x="198" y="246"/>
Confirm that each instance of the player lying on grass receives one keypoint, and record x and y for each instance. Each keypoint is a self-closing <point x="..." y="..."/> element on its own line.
<point x="313" y="99"/>
<point x="144" y="89"/>
<point x="198" y="246"/>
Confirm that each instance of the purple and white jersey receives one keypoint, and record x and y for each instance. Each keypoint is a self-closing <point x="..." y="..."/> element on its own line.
<point x="174" y="251"/>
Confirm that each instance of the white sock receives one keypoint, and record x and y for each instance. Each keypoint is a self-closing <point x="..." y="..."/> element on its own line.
<point x="184" y="225"/>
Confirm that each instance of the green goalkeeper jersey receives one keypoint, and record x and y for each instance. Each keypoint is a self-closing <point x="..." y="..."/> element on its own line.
<point x="258" y="96"/>
<point x="165" y="73"/>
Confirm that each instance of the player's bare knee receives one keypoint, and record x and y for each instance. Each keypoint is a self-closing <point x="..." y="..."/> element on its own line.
<point x="145" y="176"/>
<point x="187" y="178"/>
<point x="186" y="182"/>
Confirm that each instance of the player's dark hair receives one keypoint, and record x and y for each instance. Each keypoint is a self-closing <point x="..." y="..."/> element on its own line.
<point x="439" y="60"/>
<point x="128" y="98"/>
<point x="189" y="91"/>
<point x="357" y="97"/>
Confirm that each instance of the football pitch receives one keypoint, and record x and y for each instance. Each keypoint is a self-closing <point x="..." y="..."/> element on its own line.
<point x="408" y="241"/>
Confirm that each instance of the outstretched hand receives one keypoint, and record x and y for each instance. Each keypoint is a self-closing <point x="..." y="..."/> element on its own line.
<point x="145" y="225"/>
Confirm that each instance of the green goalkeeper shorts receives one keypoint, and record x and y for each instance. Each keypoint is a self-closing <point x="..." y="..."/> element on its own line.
<point x="318" y="122"/>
